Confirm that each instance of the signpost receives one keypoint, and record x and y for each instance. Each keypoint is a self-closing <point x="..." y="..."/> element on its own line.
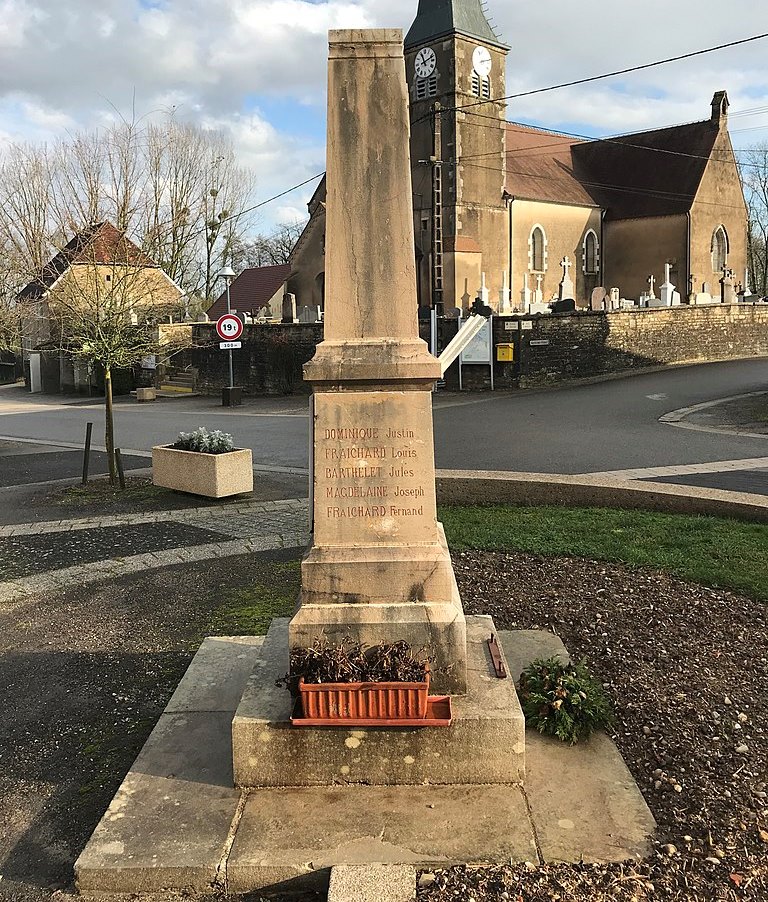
<point x="229" y="328"/>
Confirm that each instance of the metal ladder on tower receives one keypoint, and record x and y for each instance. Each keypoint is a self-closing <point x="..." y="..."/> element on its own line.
<point x="437" y="216"/>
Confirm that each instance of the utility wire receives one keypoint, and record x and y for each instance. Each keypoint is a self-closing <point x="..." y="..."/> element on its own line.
<point x="593" y="78"/>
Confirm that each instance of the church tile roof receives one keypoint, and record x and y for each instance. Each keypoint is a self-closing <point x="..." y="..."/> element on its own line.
<point x="540" y="167"/>
<point x="654" y="173"/>
<point x="251" y="290"/>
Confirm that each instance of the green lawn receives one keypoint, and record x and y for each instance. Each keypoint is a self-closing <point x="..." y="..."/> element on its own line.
<point x="708" y="550"/>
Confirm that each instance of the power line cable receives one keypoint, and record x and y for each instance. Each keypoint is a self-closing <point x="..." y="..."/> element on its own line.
<point x="627" y="71"/>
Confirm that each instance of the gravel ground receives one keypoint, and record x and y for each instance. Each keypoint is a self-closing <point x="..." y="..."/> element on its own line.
<point x="686" y="667"/>
<point x="88" y="672"/>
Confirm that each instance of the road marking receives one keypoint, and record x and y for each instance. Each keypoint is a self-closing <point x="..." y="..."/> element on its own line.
<point x="661" y="397"/>
<point x="717" y="466"/>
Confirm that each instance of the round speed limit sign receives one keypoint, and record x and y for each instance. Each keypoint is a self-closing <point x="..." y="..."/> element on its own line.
<point x="229" y="327"/>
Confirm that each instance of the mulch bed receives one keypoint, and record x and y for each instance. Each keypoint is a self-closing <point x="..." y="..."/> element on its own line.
<point x="686" y="667"/>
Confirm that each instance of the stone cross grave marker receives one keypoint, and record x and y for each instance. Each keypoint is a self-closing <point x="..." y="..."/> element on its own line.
<point x="566" y="285"/>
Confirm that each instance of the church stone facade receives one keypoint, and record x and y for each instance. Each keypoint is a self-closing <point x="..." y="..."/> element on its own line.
<point x="501" y="204"/>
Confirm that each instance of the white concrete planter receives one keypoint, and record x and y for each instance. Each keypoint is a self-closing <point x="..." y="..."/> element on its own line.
<point x="211" y="475"/>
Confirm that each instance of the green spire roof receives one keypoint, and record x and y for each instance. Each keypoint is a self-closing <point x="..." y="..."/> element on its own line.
<point x="438" y="18"/>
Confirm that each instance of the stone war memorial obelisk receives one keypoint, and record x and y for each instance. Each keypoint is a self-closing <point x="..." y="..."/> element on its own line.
<point x="378" y="567"/>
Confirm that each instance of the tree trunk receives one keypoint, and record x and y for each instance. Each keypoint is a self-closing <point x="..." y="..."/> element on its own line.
<point x="109" y="431"/>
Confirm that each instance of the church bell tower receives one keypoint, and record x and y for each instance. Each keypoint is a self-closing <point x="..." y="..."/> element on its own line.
<point x="455" y="67"/>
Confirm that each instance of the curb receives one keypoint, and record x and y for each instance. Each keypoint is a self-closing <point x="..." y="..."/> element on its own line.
<point x="531" y="489"/>
<point x="678" y="417"/>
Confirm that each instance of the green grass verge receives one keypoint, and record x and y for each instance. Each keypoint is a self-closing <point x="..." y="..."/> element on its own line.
<point x="707" y="550"/>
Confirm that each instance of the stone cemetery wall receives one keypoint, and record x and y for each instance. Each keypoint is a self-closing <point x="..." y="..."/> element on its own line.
<point x="547" y="349"/>
<point x="270" y="361"/>
<point x="560" y="348"/>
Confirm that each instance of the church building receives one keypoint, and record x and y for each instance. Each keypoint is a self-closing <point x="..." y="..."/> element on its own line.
<point x="520" y="210"/>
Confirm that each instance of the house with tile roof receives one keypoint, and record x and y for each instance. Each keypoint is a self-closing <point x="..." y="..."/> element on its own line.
<point x="503" y="203"/>
<point x="100" y="267"/>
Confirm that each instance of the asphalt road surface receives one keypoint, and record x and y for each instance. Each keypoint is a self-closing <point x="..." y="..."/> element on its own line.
<point x="594" y="428"/>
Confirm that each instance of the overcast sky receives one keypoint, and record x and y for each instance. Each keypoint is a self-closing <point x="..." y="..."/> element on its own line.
<point x="257" y="68"/>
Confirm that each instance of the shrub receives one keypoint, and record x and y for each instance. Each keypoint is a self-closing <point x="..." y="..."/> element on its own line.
<point x="563" y="700"/>
<point x="206" y="442"/>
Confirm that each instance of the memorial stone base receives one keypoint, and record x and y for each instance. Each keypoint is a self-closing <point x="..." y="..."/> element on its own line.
<point x="485" y="744"/>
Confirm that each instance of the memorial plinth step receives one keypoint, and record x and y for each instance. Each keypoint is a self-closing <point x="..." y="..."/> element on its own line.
<point x="484" y="744"/>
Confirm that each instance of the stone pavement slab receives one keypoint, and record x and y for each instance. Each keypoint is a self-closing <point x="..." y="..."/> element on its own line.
<point x="169" y="823"/>
<point x="176" y="822"/>
<point x="584" y="803"/>
<point x="293" y="836"/>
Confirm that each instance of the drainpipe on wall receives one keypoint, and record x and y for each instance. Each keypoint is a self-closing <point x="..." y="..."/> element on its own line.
<point x="688" y="255"/>
<point x="602" y="249"/>
<point x="510" y="203"/>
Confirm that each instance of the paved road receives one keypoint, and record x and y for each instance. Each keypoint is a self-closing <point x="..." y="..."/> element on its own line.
<point x="609" y="426"/>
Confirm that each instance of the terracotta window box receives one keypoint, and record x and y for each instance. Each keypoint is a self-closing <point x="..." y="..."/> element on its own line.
<point x="364" y="701"/>
<point x="209" y="475"/>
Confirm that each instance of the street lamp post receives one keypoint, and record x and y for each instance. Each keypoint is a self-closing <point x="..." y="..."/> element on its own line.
<point x="228" y="397"/>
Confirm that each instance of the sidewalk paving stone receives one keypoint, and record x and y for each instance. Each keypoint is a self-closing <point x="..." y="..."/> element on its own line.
<point x="22" y="556"/>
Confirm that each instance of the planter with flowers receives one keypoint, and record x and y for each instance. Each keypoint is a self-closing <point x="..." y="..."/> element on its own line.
<point x="203" y="463"/>
<point x="350" y="684"/>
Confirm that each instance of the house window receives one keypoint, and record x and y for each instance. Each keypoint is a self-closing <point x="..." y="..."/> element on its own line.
<point x="591" y="254"/>
<point x="719" y="249"/>
<point x="426" y="87"/>
<point x="481" y="87"/>
<point x="537" y="250"/>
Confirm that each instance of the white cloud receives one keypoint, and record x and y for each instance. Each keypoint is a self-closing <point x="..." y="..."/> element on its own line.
<point x="258" y="67"/>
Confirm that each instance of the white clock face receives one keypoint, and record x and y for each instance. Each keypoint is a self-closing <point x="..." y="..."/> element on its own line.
<point x="425" y="62"/>
<point x="481" y="62"/>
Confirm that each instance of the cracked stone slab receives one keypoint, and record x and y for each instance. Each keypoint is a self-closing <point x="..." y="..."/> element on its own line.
<point x="584" y="801"/>
<point x="168" y="824"/>
<point x="292" y="837"/>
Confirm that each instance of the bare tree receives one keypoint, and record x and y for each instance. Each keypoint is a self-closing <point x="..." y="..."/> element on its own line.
<point x="267" y="250"/>
<point x="107" y="313"/>
<point x="10" y="326"/>
<point x="176" y="189"/>
<point x="755" y="178"/>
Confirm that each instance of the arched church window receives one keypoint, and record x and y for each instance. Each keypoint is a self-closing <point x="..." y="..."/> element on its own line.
<point x="537" y="249"/>
<point x="719" y="249"/>
<point x="591" y="253"/>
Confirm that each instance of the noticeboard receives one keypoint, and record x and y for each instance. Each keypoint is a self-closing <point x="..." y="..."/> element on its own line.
<point x="480" y="349"/>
